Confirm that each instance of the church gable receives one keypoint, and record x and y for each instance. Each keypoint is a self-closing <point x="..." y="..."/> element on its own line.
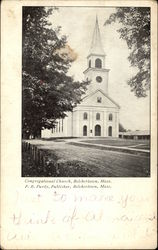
<point x="98" y="98"/>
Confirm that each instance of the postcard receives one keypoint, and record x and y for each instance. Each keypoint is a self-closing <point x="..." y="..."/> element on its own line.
<point x="79" y="130"/>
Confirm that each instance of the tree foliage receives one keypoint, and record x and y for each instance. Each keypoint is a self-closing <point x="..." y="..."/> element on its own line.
<point x="121" y="128"/>
<point x="48" y="92"/>
<point x="135" y="30"/>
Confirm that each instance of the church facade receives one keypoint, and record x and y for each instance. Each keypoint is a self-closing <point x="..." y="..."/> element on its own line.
<point x="97" y="114"/>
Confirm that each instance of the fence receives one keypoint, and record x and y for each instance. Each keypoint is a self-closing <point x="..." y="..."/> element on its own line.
<point x="45" y="165"/>
<point x="37" y="155"/>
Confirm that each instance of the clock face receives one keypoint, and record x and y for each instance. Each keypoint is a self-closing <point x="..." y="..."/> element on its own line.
<point x="99" y="79"/>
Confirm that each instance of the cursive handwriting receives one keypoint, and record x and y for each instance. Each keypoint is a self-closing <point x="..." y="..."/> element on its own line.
<point x="49" y="217"/>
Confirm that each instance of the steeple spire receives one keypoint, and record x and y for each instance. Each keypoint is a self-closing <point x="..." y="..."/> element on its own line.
<point x="96" y="45"/>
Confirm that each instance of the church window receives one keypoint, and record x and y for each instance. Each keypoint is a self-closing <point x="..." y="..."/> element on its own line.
<point x="62" y="125"/>
<point x="99" y="99"/>
<point x="99" y="79"/>
<point x="89" y="63"/>
<point x="97" y="116"/>
<point x="110" y="117"/>
<point x="85" y="116"/>
<point x="98" y="63"/>
<point x="59" y="126"/>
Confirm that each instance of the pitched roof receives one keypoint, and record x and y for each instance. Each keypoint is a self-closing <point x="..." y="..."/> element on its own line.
<point x="87" y="96"/>
<point x="137" y="132"/>
<point x="96" y="45"/>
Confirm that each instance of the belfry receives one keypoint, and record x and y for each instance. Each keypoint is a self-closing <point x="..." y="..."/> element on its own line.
<point x="97" y="114"/>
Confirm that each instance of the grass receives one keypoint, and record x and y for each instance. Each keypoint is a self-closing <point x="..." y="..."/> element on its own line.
<point x="54" y="167"/>
<point x="147" y="147"/>
<point x="144" y="144"/>
<point x="66" y="160"/>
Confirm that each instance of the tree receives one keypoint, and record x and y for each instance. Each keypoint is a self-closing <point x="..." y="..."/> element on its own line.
<point x="135" y="31"/>
<point x="48" y="92"/>
<point x="121" y="128"/>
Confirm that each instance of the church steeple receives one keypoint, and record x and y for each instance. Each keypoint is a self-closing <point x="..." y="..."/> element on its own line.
<point x="96" y="45"/>
<point x="96" y="71"/>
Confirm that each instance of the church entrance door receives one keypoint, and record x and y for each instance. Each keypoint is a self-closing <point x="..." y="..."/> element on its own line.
<point x="85" y="130"/>
<point x="97" y="130"/>
<point x="110" y="131"/>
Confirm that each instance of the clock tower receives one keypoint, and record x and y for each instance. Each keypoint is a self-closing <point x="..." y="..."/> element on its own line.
<point x="96" y="70"/>
<point x="97" y="114"/>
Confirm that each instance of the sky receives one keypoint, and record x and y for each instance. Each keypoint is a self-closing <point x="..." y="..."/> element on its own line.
<point x="77" y="23"/>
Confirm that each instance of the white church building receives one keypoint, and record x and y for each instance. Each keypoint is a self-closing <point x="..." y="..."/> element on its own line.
<point x="98" y="113"/>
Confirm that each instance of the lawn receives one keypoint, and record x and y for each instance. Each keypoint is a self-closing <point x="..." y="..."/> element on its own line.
<point x="141" y="144"/>
<point x="67" y="160"/>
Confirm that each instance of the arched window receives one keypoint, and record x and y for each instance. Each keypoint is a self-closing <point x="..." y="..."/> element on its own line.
<point x="62" y="125"/>
<point x="110" y="117"/>
<point x="59" y="126"/>
<point x="97" y="116"/>
<point x="89" y="63"/>
<point x="85" y="116"/>
<point x="98" y="63"/>
<point x="84" y="130"/>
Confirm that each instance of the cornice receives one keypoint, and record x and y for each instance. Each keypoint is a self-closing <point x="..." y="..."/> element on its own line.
<point x="96" y="69"/>
<point x="93" y="54"/>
